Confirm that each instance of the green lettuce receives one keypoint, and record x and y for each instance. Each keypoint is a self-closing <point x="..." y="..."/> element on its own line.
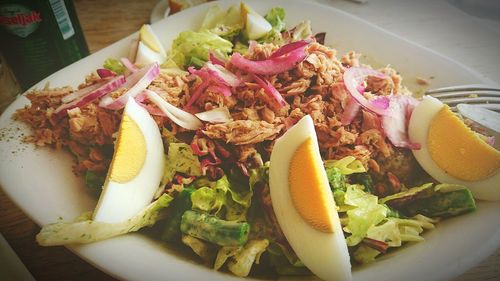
<point x="300" y="31"/>
<point x="228" y="196"/>
<point x="114" y="65"/>
<point x="276" y="17"/>
<point x="365" y="212"/>
<point x="227" y="24"/>
<point x="347" y="165"/>
<point x="191" y="48"/>
<point x="180" y="158"/>
<point x="241" y="259"/>
<point x="203" y="249"/>
<point x="85" y="230"/>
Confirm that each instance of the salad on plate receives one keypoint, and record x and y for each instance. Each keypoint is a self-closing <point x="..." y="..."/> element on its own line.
<point x="259" y="149"/>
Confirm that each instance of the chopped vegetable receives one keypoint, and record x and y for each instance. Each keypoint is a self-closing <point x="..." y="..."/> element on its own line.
<point x="136" y="83"/>
<point x="89" y="96"/>
<point x="395" y="122"/>
<point x="365" y="214"/>
<point x="172" y="228"/>
<point x="114" y="65"/>
<point x="88" y="231"/>
<point x="192" y="48"/>
<point x="200" y="247"/>
<point x="241" y="263"/>
<point x="353" y="77"/>
<point x="213" y="229"/>
<point x="442" y="204"/>
<point x="180" y="158"/>
<point x="270" y="66"/>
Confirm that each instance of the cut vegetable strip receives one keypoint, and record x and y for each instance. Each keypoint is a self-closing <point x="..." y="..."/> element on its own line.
<point x="178" y="116"/>
<point x="350" y="111"/>
<point x="216" y="115"/>
<point x="105" y="73"/>
<point x="395" y="122"/>
<point x="353" y="77"/>
<point x="89" y="96"/>
<point x="269" y="89"/>
<point x="285" y="49"/>
<point x="223" y="74"/>
<point x="215" y="60"/>
<point x="136" y="83"/>
<point x="81" y="92"/>
<point x="270" y="66"/>
<point x="129" y="65"/>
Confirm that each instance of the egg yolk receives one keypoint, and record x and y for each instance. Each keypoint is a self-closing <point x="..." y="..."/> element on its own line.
<point x="130" y="152"/>
<point x="458" y="150"/>
<point x="307" y="188"/>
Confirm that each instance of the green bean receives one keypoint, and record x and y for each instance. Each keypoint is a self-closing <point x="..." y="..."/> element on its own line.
<point x="212" y="229"/>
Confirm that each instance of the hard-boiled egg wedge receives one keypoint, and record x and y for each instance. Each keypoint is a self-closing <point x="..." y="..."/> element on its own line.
<point x="451" y="152"/>
<point x="136" y="168"/>
<point x="256" y="26"/>
<point x="304" y="205"/>
<point x="150" y="49"/>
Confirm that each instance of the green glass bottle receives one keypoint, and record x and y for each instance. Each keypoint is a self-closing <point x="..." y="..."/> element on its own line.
<point x="39" y="37"/>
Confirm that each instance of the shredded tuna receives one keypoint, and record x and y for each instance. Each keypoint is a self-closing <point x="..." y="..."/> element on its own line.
<point x="241" y="132"/>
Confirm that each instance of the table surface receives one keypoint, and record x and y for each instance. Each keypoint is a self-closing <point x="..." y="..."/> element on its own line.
<point x="115" y="19"/>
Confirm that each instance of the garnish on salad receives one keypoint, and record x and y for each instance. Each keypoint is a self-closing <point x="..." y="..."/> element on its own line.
<point x="251" y="142"/>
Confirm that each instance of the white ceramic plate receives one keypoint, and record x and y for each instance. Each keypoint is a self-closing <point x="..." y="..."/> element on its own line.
<point x="41" y="183"/>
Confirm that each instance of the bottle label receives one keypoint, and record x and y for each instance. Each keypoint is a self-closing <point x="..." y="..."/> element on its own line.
<point x="62" y="17"/>
<point x="19" y="20"/>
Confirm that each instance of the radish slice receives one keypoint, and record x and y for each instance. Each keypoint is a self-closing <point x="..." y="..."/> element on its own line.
<point x="136" y="83"/>
<point x="285" y="49"/>
<point x="269" y="89"/>
<point x="89" y="97"/>
<point x="105" y="73"/>
<point x="353" y="77"/>
<point x="178" y="116"/>
<point x="216" y="115"/>
<point x="129" y="65"/>
<point x="83" y="91"/>
<point x="270" y="66"/>
<point x="350" y="111"/>
<point x="395" y="123"/>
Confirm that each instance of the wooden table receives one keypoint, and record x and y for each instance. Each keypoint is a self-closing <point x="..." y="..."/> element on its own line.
<point x="104" y="22"/>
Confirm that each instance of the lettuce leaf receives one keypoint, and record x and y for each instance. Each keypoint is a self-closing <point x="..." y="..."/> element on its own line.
<point x="347" y="165"/>
<point x="228" y="199"/>
<point x="180" y="158"/>
<point x="85" y="230"/>
<point x="227" y="24"/>
<point x="241" y="259"/>
<point x="192" y="48"/>
<point x="114" y="65"/>
<point x="203" y="249"/>
<point x="276" y="17"/>
<point x="364" y="254"/>
<point x="365" y="213"/>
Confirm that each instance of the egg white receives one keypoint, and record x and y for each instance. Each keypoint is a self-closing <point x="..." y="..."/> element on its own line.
<point x="487" y="189"/>
<point x="121" y="201"/>
<point x="146" y="55"/>
<point x="325" y="254"/>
